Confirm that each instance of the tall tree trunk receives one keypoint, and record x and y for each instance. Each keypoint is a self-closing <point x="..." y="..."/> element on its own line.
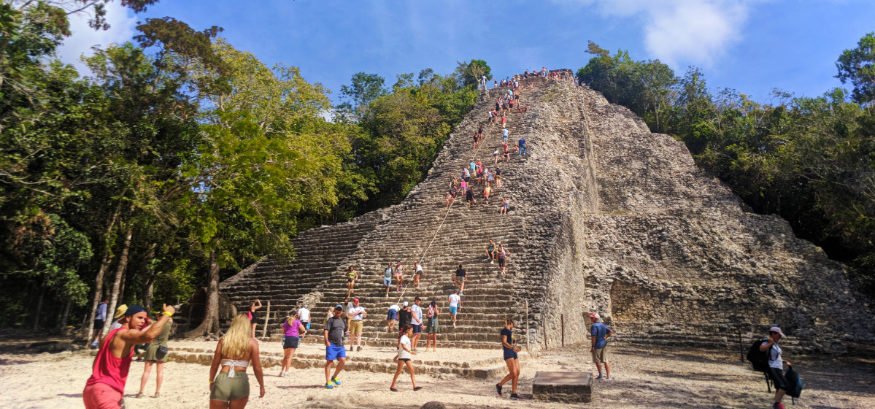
<point x="39" y="308"/>
<point x="210" y="325"/>
<point x="65" y="317"/>
<point x="150" y="278"/>
<point x="98" y="281"/>
<point x="119" y="273"/>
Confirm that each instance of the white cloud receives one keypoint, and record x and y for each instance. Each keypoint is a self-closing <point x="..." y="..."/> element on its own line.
<point x="681" y="31"/>
<point x="84" y="37"/>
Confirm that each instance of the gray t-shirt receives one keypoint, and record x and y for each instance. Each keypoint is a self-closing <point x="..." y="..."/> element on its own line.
<point x="335" y="327"/>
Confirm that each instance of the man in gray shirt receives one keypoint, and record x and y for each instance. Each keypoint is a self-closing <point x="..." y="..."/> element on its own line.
<point x="334" y="350"/>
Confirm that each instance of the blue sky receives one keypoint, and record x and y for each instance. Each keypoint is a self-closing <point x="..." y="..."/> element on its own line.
<point x="751" y="46"/>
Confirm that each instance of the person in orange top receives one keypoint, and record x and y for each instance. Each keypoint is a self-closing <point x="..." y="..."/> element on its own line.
<point x="106" y="386"/>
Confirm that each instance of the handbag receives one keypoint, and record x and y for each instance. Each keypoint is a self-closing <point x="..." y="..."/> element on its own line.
<point x="161" y="353"/>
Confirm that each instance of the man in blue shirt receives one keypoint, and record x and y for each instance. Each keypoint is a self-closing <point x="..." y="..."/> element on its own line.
<point x="600" y="333"/>
<point x="522" y="146"/>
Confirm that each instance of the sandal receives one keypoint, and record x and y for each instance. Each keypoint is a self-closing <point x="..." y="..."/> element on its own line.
<point x="393" y="389"/>
<point x="417" y="388"/>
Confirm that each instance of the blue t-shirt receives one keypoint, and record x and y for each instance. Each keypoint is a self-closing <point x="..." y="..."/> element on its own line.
<point x="522" y="142"/>
<point x="599" y="330"/>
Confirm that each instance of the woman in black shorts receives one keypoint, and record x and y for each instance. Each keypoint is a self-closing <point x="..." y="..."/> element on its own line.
<point x="510" y="357"/>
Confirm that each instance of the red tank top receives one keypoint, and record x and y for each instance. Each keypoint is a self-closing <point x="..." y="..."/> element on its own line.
<point x="108" y="369"/>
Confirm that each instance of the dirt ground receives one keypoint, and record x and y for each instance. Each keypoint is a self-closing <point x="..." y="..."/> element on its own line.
<point x="642" y="379"/>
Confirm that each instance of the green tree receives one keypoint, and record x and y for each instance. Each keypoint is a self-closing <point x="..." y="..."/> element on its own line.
<point x="857" y="66"/>
<point x="469" y="73"/>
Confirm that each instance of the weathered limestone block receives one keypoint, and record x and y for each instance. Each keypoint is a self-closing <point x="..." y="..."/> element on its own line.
<point x="570" y="387"/>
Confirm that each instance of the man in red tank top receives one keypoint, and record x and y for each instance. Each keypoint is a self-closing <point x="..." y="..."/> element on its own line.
<point x="106" y="386"/>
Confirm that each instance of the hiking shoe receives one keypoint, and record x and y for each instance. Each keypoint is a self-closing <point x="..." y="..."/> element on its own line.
<point x="598" y="378"/>
<point x="514" y="396"/>
<point x="498" y="389"/>
<point x="329" y="386"/>
<point x="778" y="405"/>
<point x="336" y="382"/>
<point x="416" y="388"/>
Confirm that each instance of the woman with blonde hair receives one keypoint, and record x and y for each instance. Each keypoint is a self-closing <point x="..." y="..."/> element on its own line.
<point x="229" y="384"/>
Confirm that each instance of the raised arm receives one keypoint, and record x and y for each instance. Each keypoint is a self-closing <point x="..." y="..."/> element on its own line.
<point x="257" y="304"/>
<point x="145" y="336"/>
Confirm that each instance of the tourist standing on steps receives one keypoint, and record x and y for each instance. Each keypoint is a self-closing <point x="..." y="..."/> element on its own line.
<point x="293" y="330"/>
<point x="486" y="192"/>
<point x="431" y="327"/>
<point x="459" y="279"/>
<point x="229" y="384"/>
<point x="99" y="320"/>
<point x="503" y="254"/>
<point x="490" y="251"/>
<point x="392" y="317"/>
<point x="455" y="304"/>
<point x="351" y="276"/>
<point x="511" y="359"/>
<point x="600" y="333"/>
<point x="155" y="354"/>
<point x="403" y="358"/>
<point x="416" y="321"/>
<point x="404" y="315"/>
<point x="399" y="276"/>
<point x="522" y="146"/>
<point x="109" y="372"/>
<point x="334" y="350"/>
<point x="304" y="316"/>
<point x="357" y="315"/>
<point x="417" y="274"/>
<point x="252" y="315"/>
<point x="469" y="197"/>
<point x="776" y="365"/>
<point x="505" y="205"/>
<point x="504" y="135"/>
<point x="387" y="278"/>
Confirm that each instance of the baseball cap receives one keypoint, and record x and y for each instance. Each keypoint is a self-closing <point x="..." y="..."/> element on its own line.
<point x="404" y="303"/>
<point x="338" y="307"/>
<point x="778" y="331"/>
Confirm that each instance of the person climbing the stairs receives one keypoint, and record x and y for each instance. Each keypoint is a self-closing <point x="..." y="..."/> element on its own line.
<point x="469" y="197"/>
<point x="356" y="314"/>
<point x="505" y="205"/>
<point x="416" y="321"/>
<point x="404" y="315"/>
<point x="455" y="304"/>
<point x="490" y="251"/>
<point x="459" y="279"/>
<point x="503" y="254"/>
<point x="392" y="317"/>
<point x="522" y="146"/>
<point x="486" y="192"/>
<point x="351" y="276"/>
<point x="417" y="274"/>
<point x="387" y="278"/>
<point x="399" y="276"/>
<point x="431" y="325"/>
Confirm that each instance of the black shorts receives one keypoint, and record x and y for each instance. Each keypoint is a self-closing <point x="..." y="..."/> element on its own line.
<point x="404" y="359"/>
<point x="777" y="377"/>
<point x="98" y="324"/>
<point x="290" y="342"/>
<point x="417" y="329"/>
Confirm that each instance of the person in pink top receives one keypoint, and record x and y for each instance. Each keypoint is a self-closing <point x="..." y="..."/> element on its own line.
<point x="293" y="330"/>
<point x="106" y="386"/>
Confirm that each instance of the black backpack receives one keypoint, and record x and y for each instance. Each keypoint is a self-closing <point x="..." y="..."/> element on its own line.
<point x="759" y="360"/>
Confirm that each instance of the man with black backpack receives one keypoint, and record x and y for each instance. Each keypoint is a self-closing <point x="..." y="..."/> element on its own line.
<point x="775" y="369"/>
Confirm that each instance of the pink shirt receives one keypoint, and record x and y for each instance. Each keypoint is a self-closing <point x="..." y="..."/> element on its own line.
<point x="291" y="330"/>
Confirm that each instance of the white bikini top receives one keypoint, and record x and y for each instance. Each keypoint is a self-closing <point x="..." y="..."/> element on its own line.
<point x="234" y="363"/>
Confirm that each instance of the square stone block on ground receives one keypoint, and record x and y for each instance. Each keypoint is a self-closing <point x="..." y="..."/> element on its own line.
<point x="562" y="386"/>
